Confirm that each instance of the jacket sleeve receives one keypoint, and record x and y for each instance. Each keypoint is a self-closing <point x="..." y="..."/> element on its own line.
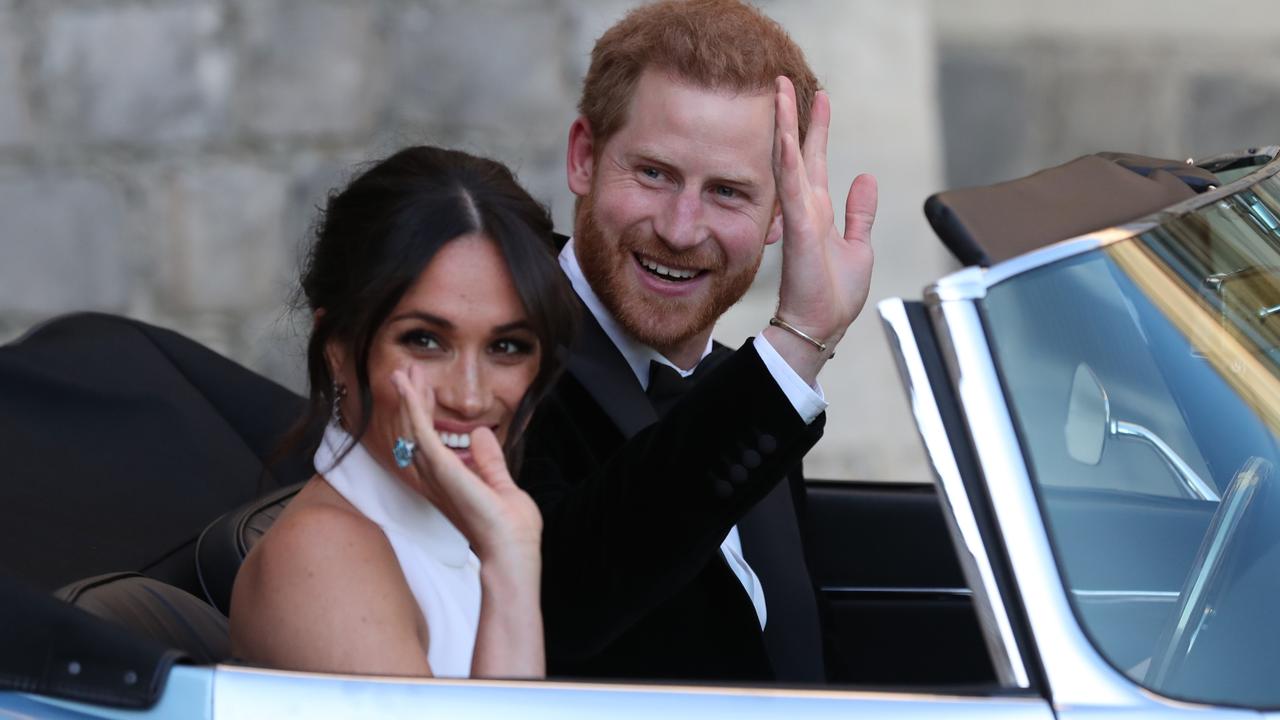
<point x="627" y="530"/>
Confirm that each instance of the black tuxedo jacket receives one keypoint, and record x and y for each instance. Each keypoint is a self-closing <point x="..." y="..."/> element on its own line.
<point x="635" y="509"/>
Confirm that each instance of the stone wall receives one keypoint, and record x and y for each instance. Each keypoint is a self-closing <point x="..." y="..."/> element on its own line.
<point x="164" y="158"/>
<point x="1025" y="85"/>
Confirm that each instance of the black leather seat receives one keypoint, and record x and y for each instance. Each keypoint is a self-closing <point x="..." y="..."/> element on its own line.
<point x="223" y="546"/>
<point x="122" y="442"/>
<point x="154" y="610"/>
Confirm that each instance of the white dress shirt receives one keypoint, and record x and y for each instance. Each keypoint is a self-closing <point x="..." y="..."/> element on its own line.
<point x="808" y="401"/>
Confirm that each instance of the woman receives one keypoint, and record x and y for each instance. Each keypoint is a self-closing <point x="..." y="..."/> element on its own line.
<point x="438" y="307"/>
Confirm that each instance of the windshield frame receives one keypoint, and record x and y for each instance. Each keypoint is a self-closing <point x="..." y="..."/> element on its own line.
<point x="1074" y="668"/>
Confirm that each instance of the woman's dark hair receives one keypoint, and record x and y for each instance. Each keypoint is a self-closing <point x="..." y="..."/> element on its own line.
<point x="377" y="236"/>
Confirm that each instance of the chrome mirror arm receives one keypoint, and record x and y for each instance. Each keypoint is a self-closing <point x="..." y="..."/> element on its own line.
<point x="1193" y="483"/>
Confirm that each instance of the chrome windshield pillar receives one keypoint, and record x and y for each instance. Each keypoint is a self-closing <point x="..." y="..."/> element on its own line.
<point x="975" y="560"/>
<point x="1076" y="674"/>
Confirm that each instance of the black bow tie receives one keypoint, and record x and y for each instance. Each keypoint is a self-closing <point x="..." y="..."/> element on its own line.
<point x="667" y="386"/>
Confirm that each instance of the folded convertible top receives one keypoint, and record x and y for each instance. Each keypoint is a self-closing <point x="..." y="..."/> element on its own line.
<point x="988" y="224"/>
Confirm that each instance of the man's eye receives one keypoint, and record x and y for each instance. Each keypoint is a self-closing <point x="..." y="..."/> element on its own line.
<point x="651" y="173"/>
<point x="725" y="191"/>
<point x="420" y="340"/>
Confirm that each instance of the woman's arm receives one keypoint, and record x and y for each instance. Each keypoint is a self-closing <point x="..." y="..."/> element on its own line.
<point x="509" y="640"/>
<point x="501" y="522"/>
<point x="323" y="592"/>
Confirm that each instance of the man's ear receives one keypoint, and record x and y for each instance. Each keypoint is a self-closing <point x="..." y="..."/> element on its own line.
<point x="580" y="158"/>
<point x="775" y="225"/>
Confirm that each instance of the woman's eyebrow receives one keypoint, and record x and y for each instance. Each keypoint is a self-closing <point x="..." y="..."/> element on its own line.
<point x="424" y="317"/>
<point x="512" y="326"/>
<point x="521" y="324"/>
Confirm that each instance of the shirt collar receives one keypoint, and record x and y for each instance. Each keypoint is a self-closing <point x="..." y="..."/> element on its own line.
<point x="636" y="353"/>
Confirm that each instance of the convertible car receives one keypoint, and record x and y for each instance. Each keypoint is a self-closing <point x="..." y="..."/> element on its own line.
<point x="1097" y="391"/>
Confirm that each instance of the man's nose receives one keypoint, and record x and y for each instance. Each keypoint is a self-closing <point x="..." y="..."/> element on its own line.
<point x="679" y="223"/>
<point x="465" y="391"/>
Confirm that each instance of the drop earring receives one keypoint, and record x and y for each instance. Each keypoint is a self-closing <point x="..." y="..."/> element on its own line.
<point x="339" y="394"/>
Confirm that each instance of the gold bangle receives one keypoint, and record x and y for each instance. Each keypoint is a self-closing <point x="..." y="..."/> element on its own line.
<point x="780" y="323"/>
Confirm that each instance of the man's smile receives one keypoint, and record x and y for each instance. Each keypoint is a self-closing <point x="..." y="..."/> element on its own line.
<point x="667" y="272"/>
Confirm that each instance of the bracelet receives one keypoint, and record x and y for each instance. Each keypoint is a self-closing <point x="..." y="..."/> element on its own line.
<point x="780" y="323"/>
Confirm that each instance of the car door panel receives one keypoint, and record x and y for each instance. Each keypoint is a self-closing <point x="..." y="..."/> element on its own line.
<point x="897" y="608"/>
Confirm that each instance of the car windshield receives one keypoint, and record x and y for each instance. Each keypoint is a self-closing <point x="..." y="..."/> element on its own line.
<point x="1144" y="378"/>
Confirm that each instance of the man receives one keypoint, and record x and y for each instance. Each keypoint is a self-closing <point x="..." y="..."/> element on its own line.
<point x="670" y="538"/>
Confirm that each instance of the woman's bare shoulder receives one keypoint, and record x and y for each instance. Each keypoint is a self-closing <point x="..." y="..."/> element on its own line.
<point x="323" y="590"/>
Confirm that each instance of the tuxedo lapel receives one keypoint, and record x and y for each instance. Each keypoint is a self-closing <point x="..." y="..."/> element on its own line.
<point x="600" y="367"/>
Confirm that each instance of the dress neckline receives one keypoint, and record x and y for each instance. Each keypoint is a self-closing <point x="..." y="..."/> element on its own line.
<point x="385" y="499"/>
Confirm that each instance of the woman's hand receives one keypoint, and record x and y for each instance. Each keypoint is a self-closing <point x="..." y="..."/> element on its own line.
<point x="501" y="522"/>
<point x="498" y="518"/>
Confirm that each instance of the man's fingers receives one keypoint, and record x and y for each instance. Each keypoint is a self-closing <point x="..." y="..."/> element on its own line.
<point x="860" y="208"/>
<point x="783" y="125"/>
<point x="815" y="141"/>
<point x="786" y="119"/>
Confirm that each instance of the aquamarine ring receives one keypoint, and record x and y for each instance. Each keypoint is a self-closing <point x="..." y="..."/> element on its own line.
<point x="403" y="451"/>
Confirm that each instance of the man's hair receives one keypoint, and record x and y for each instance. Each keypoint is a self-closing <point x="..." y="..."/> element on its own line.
<point x="721" y="45"/>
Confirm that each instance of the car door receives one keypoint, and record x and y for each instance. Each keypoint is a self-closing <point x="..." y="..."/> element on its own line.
<point x="992" y="358"/>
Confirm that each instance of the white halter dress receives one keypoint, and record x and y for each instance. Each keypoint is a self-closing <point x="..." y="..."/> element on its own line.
<point x="443" y="573"/>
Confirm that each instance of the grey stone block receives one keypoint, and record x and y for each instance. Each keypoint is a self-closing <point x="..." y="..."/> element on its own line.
<point x="310" y="68"/>
<point x="1115" y="97"/>
<point x="16" y="124"/>
<point x="136" y="74"/>
<point x="1226" y="112"/>
<point x="483" y="70"/>
<point x="585" y="23"/>
<point x="986" y="110"/>
<point x="221" y="238"/>
<point x="65" y="243"/>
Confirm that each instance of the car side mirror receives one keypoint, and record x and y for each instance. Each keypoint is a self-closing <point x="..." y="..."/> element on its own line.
<point x="1088" y="417"/>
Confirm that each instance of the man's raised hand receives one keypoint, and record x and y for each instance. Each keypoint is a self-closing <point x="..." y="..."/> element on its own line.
<point x="826" y="275"/>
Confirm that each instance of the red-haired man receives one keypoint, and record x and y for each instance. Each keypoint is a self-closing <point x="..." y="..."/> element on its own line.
<point x="671" y="543"/>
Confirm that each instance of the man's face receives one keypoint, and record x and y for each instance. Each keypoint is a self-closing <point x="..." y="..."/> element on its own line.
<point x="676" y="208"/>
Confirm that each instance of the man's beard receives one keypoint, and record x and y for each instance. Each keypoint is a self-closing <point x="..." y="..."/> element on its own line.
<point x="663" y="323"/>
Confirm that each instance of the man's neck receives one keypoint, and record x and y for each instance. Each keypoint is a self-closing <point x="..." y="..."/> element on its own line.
<point x="689" y="353"/>
<point x="685" y="356"/>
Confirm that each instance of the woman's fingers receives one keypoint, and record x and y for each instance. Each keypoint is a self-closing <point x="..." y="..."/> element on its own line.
<point x="417" y="404"/>
<point x="442" y="472"/>
<point x="489" y="459"/>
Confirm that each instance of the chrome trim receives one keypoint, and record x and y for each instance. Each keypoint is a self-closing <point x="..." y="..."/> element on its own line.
<point x="1127" y="595"/>
<point x="849" y="590"/>
<point x="1076" y="673"/>
<point x="1195" y="486"/>
<point x="964" y="284"/>
<point x="975" y="561"/>
<point x="972" y="283"/>
<point x="252" y="693"/>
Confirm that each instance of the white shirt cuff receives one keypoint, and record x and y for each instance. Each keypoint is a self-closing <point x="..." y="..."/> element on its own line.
<point x="808" y="401"/>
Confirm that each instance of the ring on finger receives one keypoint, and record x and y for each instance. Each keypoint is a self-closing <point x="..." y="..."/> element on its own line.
<point x="403" y="451"/>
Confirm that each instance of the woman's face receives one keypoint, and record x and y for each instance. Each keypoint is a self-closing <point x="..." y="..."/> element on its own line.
<point x="463" y="325"/>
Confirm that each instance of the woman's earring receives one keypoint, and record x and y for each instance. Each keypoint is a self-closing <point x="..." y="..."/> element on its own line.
<point x="339" y="394"/>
